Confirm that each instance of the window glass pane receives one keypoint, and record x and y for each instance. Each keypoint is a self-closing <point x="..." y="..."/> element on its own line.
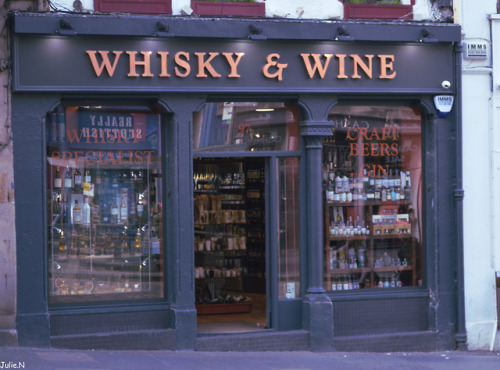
<point x="104" y="204"/>
<point x="248" y="126"/>
<point x="372" y="172"/>
<point x="288" y="232"/>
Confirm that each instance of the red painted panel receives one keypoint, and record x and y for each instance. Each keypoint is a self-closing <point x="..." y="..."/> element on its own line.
<point x="228" y="8"/>
<point x="377" y="11"/>
<point x="134" y="6"/>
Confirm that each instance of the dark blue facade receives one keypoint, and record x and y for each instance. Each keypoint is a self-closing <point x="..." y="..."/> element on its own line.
<point x="52" y="68"/>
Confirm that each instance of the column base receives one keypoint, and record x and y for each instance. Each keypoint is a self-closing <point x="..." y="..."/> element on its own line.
<point x="183" y="321"/>
<point x="318" y="320"/>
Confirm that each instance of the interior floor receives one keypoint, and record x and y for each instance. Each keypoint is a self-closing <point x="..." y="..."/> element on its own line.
<point x="236" y="322"/>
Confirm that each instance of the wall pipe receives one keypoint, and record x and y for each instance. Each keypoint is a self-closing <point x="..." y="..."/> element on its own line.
<point x="461" y="336"/>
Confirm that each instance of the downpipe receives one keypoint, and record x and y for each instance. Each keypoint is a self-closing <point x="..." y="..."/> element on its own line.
<point x="461" y="335"/>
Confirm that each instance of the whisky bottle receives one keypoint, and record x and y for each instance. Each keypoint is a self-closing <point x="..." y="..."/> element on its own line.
<point x="77" y="213"/>
<point x="63" y="246"/>
<point x="115" y="213"/>
<point x="132" y="211"/>
<point x="123" y="211"/>
<point x="408" y="186"/>
<point x="78" y="181"/>
<point x="68" y="182"/>
<point x="138" y="242"/>
<point x="345" y="283"/>
<point x="339" y="284"/>
<point x="140" y="208"/>
<point x="329" y="192"/>
<point x="57" y="179"/>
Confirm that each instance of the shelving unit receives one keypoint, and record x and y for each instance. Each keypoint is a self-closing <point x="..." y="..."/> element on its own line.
<point x="229" y="235"/>
<point x="220" y="238"/>
<point x="369" y="259"/>
<point x="102" y="253"/>
<point x="368" y="212"/>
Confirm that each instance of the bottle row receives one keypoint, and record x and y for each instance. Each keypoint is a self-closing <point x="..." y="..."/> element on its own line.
<point x="86" y="179"/>
<point x="350" y="257"/>
<point x="212" y="181"/>
<point x="340" y="188"/>
<point x="356" y="281"/>
<point x="75" y="243"/>
<point x="220" y="242"/>
<point x="118" y="208"/>
<point x="79" y="287"/>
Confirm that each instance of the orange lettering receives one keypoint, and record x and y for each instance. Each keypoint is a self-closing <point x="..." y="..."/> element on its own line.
<point x="146" y="63"/>
<point x="163" y="64"/>
<point x="317" y="64"/>
<point x="233" y="63"/>
<point x="359" y="62"/>
<point x="105" y="62"/>
<point x="386" y="66"/>
<point x="341" y="58"/>
<point x="181" y="59"/>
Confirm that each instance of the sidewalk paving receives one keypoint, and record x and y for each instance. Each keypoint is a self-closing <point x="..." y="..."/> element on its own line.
<point x="40" y="359"/>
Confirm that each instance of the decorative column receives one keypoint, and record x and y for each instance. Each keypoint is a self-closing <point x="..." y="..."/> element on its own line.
<point x="178" y="213"/>
<point x="318" y="308"/>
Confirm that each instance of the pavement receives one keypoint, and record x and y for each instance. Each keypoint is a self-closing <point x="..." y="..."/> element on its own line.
<point x="39" y="359"/>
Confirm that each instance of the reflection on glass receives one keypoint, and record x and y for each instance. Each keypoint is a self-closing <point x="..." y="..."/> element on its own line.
<point x="288" y="237"/>
<point x="248" y="126"/>
<point x="104" y="211"/>
<point x="372" y="175"/>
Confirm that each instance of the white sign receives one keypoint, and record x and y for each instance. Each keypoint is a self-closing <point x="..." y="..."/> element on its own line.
<point x="443" y="104"/>
<point x="476" y="50"/>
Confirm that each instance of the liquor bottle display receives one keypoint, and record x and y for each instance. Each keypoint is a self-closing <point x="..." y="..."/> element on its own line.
<point x="372" y="238"/>
<point x="104" y="223"/>
<point x="229" y="235"/>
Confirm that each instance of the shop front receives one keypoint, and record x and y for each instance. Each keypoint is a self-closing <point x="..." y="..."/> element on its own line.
<point x="293" y="186"/>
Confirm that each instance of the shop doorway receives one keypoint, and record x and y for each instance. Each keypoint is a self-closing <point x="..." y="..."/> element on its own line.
<point x="230" y="244"/>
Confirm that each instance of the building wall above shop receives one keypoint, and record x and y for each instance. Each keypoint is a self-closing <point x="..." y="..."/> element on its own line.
<point x="291" y="9"/>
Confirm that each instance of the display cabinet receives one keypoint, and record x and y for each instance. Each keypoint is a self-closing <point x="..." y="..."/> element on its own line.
<point x="372" y="197"/>
<point x="104" y="213"/>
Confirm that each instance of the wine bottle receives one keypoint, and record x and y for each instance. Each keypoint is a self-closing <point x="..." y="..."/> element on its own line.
<point x="57" y="179"/>
<point x="77" y="213"/>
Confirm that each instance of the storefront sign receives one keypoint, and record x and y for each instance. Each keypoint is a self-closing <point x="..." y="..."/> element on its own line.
<point x="98" y="127"/>
<point x="476" y="50"/>
<point x="91" y="64"/>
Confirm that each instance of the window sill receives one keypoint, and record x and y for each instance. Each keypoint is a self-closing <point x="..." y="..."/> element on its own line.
<point x="378" y="11"/>
<point x="228" y="8"/>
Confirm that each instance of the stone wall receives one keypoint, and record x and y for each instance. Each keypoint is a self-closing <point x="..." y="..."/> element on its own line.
<point x="8" y="333"/>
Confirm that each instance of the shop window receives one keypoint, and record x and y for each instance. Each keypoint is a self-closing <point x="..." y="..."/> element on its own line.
<point x="372" y="172"/>
<point x="134" y="6"/>
<point x="104" y="204"/>
<point x="248" y="126"/>
<point x="378" y="9"/>
<point x="288" y="229"/>
<point x="249" y="8"/>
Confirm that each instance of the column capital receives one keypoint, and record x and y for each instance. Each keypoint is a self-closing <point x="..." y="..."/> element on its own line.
<point x="315" y="128"/>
